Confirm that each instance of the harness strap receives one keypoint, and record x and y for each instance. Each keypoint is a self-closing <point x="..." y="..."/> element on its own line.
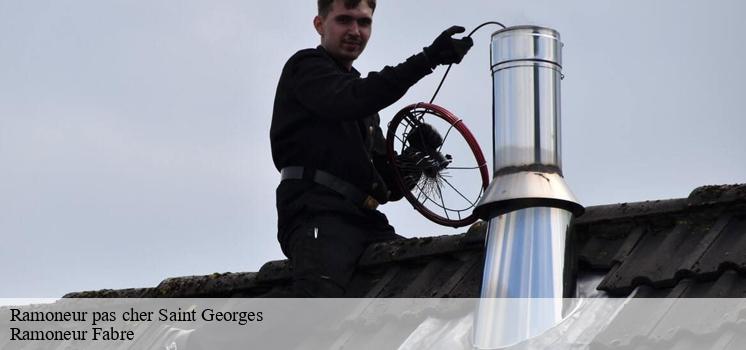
<point x="332" y="182"/>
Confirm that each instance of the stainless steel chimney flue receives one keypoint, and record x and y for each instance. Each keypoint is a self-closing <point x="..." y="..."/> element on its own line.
<point x="528" y="205"/>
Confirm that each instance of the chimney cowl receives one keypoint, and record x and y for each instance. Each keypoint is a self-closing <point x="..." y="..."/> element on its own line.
<point x="526" y="75"/>
<point x="528" y="206"/>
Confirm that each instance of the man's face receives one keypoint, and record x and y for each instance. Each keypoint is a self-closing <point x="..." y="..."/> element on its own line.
<point x="345" y="32"/>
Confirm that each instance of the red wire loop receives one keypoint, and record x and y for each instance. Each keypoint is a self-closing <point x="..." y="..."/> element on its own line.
<point x="457" y="124"/>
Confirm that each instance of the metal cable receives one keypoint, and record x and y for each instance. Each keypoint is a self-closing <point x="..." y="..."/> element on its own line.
<point x="449" y="66"/>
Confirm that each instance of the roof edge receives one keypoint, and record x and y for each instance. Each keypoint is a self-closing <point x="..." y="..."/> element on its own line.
<point x="700" y="197"/>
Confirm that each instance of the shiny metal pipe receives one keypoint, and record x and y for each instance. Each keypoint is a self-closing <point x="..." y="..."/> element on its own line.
<point x="527" y="113"/>
<point x="526" y="75"/>
<point x="525" y="254"/>
<point x="524" y="277"/>
<point x="528" y="205"/>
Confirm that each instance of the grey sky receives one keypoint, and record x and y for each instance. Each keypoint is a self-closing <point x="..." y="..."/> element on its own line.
<point x="134" y="135"/>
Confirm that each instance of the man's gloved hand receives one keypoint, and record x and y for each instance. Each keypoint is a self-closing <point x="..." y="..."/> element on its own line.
<point x="447" y="50"/>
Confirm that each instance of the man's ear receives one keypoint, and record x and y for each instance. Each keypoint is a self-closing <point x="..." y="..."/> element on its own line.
<point x="318" y="23"/>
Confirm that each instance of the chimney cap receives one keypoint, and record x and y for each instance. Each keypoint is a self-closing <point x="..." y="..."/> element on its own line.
<point x="526" y="43"/>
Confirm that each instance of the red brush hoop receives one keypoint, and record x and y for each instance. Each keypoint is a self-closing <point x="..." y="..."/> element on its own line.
<point x="432" y="187"/>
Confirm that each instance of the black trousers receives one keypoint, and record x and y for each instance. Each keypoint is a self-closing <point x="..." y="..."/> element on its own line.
<point x="324" y="251"/>
<point x="324" y="234"/>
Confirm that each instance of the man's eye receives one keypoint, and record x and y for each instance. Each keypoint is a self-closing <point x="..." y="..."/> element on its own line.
<point x="343" y="20"/>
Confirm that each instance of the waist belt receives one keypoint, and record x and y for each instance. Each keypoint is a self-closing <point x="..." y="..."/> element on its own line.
<point x="332" y="182"/>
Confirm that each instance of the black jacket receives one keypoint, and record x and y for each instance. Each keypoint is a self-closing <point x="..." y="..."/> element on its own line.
<point x="326" y="118"/>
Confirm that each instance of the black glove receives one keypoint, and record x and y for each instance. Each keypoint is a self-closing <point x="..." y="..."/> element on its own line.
<point x="447" y="50"/>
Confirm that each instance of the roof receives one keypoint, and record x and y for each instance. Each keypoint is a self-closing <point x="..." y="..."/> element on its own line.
<point x="688" y="247"/>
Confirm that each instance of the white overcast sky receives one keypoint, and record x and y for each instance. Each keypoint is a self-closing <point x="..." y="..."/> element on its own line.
<point x="134" y="135"/>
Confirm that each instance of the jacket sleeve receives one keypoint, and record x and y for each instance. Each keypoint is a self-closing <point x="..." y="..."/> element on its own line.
<point x="330" y="93"/>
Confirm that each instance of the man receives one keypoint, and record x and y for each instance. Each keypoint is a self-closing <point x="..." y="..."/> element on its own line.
<point x="329" y="147"/>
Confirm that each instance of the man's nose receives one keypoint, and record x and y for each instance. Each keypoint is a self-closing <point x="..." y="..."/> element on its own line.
<point x="354" y="29"/>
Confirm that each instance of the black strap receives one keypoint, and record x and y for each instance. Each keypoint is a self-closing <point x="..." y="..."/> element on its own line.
<point x="332" y="182"/>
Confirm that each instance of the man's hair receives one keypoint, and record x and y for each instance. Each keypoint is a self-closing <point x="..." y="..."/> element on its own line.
<point x="325" y="6"/>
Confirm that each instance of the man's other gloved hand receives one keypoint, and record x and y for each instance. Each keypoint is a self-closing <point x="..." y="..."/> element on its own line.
<point x="447" y="50"/>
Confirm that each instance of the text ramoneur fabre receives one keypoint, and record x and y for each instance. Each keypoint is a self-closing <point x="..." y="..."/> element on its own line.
<point x="99" y="318"/>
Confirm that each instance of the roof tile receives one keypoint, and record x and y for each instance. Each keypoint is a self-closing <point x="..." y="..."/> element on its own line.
<point x="654" y="243"/>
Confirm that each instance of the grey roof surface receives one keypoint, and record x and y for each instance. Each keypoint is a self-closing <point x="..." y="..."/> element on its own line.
<point x="672" y="248"/>
<point x="689" y="247"/>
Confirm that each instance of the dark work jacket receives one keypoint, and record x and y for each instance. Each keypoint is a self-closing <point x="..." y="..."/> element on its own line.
<point x="326" y="117"/>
